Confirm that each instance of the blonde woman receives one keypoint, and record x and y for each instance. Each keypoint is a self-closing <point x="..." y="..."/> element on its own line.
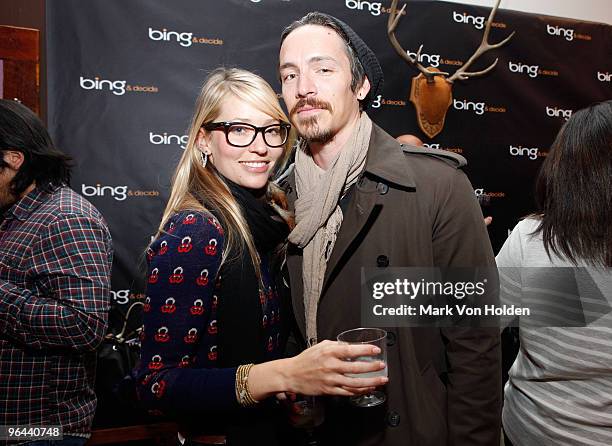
<point x="215" y="324"/>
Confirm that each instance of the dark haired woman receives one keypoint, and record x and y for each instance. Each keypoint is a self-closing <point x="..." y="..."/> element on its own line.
<point x="560" y="386"/>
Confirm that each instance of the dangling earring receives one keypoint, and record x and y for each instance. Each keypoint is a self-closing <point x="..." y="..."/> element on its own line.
<point x="204" y="158"/>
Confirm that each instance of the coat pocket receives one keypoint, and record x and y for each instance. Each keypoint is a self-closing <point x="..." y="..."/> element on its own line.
<point x="437" y="390"/>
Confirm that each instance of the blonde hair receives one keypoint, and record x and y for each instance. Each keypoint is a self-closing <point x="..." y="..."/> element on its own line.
<point x="199" y="188"/>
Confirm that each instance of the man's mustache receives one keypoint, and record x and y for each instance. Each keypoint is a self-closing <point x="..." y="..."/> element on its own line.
<point x="311" y="102"/>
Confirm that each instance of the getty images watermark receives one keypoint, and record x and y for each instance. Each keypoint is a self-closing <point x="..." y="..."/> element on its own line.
<point x="482" y="297"/>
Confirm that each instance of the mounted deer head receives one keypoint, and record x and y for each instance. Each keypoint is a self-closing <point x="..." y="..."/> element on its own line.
<point x="431" y="91"/>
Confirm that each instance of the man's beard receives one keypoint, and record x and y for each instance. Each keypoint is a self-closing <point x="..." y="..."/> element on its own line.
<point x="308" y="128"/>
<point x="311" y="132"/>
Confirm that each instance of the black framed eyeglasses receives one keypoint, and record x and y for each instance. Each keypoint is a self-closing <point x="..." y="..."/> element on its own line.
<point x="242" y="134"/>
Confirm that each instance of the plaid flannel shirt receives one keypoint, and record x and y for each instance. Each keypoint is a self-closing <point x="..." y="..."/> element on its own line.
<point x="55" y="264"/>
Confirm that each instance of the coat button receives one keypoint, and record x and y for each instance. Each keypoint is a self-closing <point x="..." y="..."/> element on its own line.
<point x="382" y="261"/>
<point x="391" y="339"/>
<point x="393" y="418"/>
<point x="382" y="188"/>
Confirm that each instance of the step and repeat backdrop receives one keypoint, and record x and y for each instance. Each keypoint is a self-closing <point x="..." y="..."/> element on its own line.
<point x="124" y="74"/>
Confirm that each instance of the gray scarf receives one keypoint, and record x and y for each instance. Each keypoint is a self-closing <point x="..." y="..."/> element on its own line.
<point x="317" y="210"/>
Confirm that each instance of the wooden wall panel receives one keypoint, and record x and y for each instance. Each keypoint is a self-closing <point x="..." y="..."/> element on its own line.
<point x="29" y="14"/>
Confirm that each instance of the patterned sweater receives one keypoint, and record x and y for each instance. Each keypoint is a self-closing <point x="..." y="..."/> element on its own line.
<point x="179" y="368"/>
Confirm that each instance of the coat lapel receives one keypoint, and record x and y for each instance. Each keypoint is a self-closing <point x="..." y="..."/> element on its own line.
<point x="386" y="163"/>
<point x="358" y="212"/>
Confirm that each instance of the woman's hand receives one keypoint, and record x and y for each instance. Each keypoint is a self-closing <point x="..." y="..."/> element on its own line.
<point x="321" y="369"/>
<point x="318" y="370"/>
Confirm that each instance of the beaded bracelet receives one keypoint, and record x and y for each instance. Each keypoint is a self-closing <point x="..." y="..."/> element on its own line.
<point x="243" y="395"/>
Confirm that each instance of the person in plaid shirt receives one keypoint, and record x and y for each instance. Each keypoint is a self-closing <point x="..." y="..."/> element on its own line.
<point x="55" y="263"/>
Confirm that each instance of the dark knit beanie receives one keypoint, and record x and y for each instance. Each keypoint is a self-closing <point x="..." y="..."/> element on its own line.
<point x="368" y="60"/>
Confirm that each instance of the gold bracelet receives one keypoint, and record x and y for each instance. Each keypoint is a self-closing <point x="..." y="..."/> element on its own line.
<point x="243" y="395"/>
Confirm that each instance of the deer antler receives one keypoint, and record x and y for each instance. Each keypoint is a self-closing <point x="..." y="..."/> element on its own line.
<point x="394" y="18"/>
<point x="485" y="46"/>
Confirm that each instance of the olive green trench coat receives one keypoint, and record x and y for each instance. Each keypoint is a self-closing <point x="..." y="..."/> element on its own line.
<point x="411" y="207"/>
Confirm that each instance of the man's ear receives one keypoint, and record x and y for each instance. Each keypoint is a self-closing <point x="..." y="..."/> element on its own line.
<point x="363" y="91"/>
<point x="13" y="158"/>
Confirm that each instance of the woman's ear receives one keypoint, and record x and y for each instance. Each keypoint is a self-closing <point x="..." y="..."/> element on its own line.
<point x="203" y="142"/>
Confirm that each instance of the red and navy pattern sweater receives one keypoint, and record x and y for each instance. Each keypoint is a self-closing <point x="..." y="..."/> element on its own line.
<point x="179" y="360"/>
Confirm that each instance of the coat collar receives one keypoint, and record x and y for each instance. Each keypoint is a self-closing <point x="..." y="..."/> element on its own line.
<point x="387" y="161"/>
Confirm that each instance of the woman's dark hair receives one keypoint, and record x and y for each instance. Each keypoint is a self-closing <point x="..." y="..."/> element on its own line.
<point x="574" y="188"/>
<point x="22" y="131"/>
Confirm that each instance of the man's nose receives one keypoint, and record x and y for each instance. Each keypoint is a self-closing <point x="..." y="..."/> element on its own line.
<point x="306" y="86"/>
